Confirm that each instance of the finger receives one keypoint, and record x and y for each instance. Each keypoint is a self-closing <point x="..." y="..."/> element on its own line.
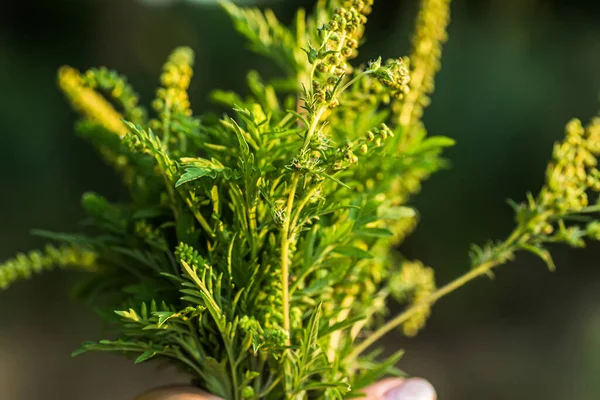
<point x="177" y="393"/>
<point x="401" y="389"/>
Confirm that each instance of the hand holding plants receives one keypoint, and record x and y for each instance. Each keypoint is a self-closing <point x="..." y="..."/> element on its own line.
<point x="257" y="248"/>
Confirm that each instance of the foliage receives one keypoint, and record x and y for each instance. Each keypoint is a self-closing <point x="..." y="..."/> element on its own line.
<point x="256" y="250"/>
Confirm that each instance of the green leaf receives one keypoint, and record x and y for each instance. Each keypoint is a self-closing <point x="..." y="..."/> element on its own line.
<point x="433" y="143"/>
<point x="542" y="253"/>
<point x="351" y="251"/>
<point x="371" y="372"/>
<point x="206" y="295"/>
<point x="193" y="173"/>
<point x="395" y="212"/>
<point x="336" y="180"/>
<point x="267" y="36"/>
<point x="375" y="232"/>
<point x="163" y="316"/>
<point x="79" y="351"/>
<point x="338" y="326"/>
<point x="311" y="333"/>
<point x="244" y="148"/>
<point x="145" y="356"/>
<point x="226" y="98"/>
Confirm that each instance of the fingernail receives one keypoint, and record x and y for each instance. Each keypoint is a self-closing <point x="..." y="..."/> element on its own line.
<point x="411" y="389"/>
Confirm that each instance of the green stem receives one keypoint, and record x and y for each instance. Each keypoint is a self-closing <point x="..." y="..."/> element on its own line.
<point x="481" y="269"/>
<point x="198" y="216"/>
<point x="313" y="126"/>
<point x="232" y="368"/>
<point x="285" y="258"/>
<point x="166" y="123"/>
<point x="302" y="204"/>
<point x="354" y="80"/>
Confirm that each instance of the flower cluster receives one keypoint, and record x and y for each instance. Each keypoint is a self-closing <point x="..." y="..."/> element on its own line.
<point x="406" y="185"/>
<point x="394" y="76"/>
<point x="269" y="301"/>
<point x="111" y="82"/>
<point x="573" y="170"/>
<point x="24" y="266"/>
<point x="310" y="161"/>
<point x="172" y="99"/>
<point x="404" y="226"/>
<point x="430" y="34"/>
<point x="89" y="102"/>
<point x="190" y="255"/>
<point x="340" y="39"/>
<point x="570" y="177"/>
<point x="414" y="285"/>
<point x="150" y="234"/>
<point x="379" y="134"/>
<point x="593" y="230"/>
<point x="342" y="35"/>
<point x="346" y="154"/>
<point x="557" y="213"/>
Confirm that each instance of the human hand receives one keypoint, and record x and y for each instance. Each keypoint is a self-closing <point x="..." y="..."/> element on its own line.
<point x="386" y="389"/>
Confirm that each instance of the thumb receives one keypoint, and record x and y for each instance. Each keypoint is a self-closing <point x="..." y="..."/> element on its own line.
<point x="401" y="389"/>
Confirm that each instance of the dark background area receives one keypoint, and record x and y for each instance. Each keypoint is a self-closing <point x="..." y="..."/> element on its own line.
<point x="514" y="72"/>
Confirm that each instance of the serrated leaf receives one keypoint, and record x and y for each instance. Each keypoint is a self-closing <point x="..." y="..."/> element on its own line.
<point x="193" y="173"/>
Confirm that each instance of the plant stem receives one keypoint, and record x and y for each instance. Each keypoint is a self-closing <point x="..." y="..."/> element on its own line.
<point x="196" y="213"/>
<point x="285" y="258"/>
<point x="483" y="268"/>
<point x="334" y="339"/>
<point x="354" y="80"/>
<point x="166" y="123"/>
<point x="303" y="203"/>
<point x="313" y="126"/>
<point x="479" y="270"/>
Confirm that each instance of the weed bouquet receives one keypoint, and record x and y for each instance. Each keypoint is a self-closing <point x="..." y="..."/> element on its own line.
<point x="256" y="250"/>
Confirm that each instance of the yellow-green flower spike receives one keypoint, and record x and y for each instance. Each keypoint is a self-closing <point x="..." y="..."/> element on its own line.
<point x="414" y="285"/>
<point x="430" y="34"/>
<point x="35" y="262"/>
<point x="175" y="80"/>
<point x="89" y="102"/>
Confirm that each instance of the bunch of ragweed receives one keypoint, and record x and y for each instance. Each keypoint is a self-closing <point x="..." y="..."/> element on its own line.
<point x="256" y="251"/>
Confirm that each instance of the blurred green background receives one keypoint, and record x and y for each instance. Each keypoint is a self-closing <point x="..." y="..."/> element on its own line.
<point x="514" y="72"/>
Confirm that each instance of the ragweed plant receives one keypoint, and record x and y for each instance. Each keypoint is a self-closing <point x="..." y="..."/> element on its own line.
<point x="257" y="249"/>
